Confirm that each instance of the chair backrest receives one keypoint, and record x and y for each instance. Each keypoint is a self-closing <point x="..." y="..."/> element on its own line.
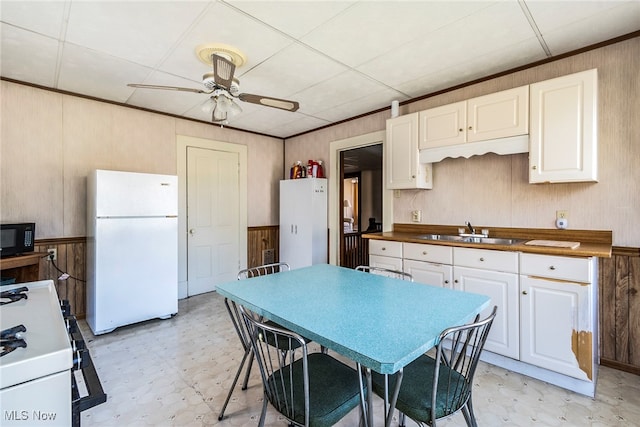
<point x="385" y="272"/>
<point x="232" y="308"/>
<point x="286" y="384"/>
<point x="457" y="355"/>
<point x="262" y="270"/>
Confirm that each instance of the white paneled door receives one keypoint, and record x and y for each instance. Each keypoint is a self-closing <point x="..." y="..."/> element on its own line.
<point x="213" y="218"/>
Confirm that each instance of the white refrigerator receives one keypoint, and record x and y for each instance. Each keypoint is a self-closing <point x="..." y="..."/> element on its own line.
<point x="303" y="222"/>
<point x="132" y="248"/>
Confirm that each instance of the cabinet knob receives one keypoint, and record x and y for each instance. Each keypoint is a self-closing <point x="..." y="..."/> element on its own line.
<point x="446" y="282"/>
<point x="455" y="281"/>
<point x="460" y="130"/>
<point x="481" y="259"/>
<point x="552" y="268"/>
<point x="424" y="252"/>
<point x="534" y="167"/>
<point x="524" y="292"/>
<point x="384" y="249"/>
<point x="470" y="127"/>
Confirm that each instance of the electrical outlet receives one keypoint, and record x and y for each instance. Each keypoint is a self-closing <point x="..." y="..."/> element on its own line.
<point x="53" y="254"/>
<point x="416" y="216"/>
<point x="564" y="214"/>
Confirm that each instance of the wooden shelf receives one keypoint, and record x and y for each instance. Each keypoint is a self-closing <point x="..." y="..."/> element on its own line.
<point x="24" y="268"/>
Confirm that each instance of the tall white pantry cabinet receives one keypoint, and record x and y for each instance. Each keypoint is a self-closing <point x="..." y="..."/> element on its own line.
<point x="303" y="222"/>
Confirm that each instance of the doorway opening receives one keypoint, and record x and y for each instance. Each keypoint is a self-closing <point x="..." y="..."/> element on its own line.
<point x="361" y="196"/>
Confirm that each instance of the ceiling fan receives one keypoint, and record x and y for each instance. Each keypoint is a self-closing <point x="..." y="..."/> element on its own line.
<point x="223" y="87"/>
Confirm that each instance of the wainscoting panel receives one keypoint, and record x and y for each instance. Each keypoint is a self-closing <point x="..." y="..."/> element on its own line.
<point x="619" y="304"/>
<point x="263" y="242"/>
<point x="71" y="259"/>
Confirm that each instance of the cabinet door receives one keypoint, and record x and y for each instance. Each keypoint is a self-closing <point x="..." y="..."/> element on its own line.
<point x="498" y="115"/>
<point x="403" y="170"/>
<point x="556" y="331"/>
<point x="503" y="289"/>
<point x="429" y="273"/>
<point x="385" y="262"/>
<point x="563" y="137"/>
<point x="442" y="126"/>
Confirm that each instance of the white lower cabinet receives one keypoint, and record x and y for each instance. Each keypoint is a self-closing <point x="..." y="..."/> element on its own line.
<point x="546" y="324"/>
<point x="556" y="332"/>
<point x="496" y="277"/>
<point x="428" y="264"/>
<point x="558" y="314"/>
<point x="385" y="254"/>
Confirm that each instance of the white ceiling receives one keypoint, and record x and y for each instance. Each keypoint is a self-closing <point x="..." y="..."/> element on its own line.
<point x="338" y="59"/>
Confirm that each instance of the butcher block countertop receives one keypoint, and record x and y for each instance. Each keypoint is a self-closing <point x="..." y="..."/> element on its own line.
<point x="556" y="242"/>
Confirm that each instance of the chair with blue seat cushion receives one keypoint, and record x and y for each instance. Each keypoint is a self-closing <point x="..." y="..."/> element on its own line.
<point x="310" y="390"/>
<point x="437" y="387"/>
<point x="238" y="325"/>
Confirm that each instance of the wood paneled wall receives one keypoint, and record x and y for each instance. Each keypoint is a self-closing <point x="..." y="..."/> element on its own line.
<point x="259" y="239"/>
<point x="71" y="259"/>
<point x="619" y="304"/>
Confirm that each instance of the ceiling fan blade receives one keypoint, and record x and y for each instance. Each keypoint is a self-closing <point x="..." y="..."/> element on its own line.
<point x="181" y="89"/>
<point x="223" y="70"/>
<point x="282" y="104"/>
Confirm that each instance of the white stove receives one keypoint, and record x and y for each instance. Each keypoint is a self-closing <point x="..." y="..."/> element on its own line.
<point x="37" y="385"/>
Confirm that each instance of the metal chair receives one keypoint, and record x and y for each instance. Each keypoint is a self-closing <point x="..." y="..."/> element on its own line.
<point x="435" y="388"/>
<point x="385" y="272"/>
<point x="311" y="390"/>
<point x="238" y="325"/>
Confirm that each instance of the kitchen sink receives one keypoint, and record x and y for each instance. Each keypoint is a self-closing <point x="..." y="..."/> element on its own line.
<point x="445" y="237"/>
<point x="469" y="239"/>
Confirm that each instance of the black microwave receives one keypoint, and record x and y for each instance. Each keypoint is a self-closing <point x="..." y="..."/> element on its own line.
<point x="16" y="239"/>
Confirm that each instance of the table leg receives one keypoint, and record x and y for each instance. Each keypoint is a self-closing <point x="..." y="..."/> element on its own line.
<point x="394" y="398"/>
<point x="369" y="398"/>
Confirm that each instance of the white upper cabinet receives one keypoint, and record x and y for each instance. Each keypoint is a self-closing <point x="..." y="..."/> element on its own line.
<point x="403" y="169"/>
<point x="563" y="136"/>
<point x="442" y="126"/>
<point x="476" y="126"/>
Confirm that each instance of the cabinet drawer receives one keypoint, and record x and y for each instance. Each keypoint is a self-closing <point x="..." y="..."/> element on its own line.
<point x="486" y="259"/>
<point x="385" y="248"/>
<point x="557" y="267"/>
<point x="430" y="253"/>
<point x="390" y="263"/>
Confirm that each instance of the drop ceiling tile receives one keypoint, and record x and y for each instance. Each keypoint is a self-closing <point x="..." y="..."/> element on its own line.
<point x="96" y="74"/>
<point x="291" y="70"/>
<point x="294" y="127"/>
<point x="27" y="56"/>
<point x="128" y="30"/>
<point x="368" y="102"/>
<point x="491" y="28"/>
<point x="552" y="15"/>
<point x="43" y="17"/>
<point x="293" y="18"/>
<point x="605" y="25"/>
<point x="337" y="91"/>
<point x="512" y="56"/>
<point x="379" y="27"/>
<point x="224" y="24"/>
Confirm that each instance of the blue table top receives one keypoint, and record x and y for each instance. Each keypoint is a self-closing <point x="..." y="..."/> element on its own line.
<point x="380" y="322"/>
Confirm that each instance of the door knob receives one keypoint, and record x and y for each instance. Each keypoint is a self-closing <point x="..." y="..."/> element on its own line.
<point x="192" y="231"/>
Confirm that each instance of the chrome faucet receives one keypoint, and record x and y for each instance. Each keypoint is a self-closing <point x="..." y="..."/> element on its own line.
<point x="470" y="227"/>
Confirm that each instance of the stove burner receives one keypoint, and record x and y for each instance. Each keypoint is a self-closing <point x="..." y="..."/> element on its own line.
<point x="11" y="338"/>
<point x="14" y="295"/>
